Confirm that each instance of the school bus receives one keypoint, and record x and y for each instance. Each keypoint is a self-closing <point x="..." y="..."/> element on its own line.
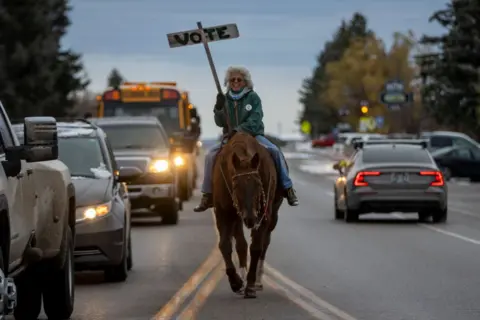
<point x="173" y="109"/>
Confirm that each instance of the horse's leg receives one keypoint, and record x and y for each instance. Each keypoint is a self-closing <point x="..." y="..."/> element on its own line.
<point x="261" y="261"/>
<point x="241" y="247"/>
<point x="266" y="244"/>
<point x="225" y="229"/>
<point x="255" y="251"/>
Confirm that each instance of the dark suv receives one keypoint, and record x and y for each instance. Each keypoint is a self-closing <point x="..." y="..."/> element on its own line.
<point x="142" y="148"/>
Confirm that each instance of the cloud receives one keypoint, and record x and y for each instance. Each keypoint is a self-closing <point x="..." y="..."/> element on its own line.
<point x="278" y="42"/>
<point x="277" y="86"/>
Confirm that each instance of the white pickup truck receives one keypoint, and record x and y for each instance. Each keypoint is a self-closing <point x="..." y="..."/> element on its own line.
<point x="37" y="223"/>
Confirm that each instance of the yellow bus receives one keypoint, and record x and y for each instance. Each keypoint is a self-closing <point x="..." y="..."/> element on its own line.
<point x="173" y="109"/>
<point x="161" y="99"/>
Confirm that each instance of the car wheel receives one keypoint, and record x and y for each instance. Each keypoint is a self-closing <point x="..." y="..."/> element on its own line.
<point x="339" y="214"/>
<point x="423" y="216"/>
<point x="350" y="215"/>
<point x="59" y="287"/>
<point x="170" y="213"/>
<point x="447" y="173"/>
<point x="439" y="216"/>
<point x="29" y="295"/>
<point x="118" y="273"/>
<point x="130" y="256"/>
<point x="9" y="293"/>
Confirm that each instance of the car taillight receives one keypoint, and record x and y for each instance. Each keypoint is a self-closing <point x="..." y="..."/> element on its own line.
<point x="438" y="182"/>
<point x="360" y="178"/>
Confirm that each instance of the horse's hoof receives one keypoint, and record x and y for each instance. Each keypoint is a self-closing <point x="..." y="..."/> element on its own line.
<point x="250" y="293"/>
<point x="258" y="287"/>
<point x="236" y="283"/>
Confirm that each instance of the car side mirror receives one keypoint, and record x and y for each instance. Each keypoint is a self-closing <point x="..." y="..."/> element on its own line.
<point x="128" y="173"/>
<point x="12" y="165"/>
<point x="40" y="139"/>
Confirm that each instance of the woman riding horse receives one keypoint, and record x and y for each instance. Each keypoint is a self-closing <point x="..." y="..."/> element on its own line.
<point x="245" y="115"/>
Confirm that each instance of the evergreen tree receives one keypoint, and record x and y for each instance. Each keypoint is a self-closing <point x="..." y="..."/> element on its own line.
<point x="318" y="112"/>
<point x="36" y="74"/>
<point x="451" y="75"/>
<point x="115" y="78"/>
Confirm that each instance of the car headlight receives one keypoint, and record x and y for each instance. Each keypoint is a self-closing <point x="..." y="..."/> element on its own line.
<point x="93" y="212"/>
<point x="179" y="161"/>
<point x="158" y="166"/>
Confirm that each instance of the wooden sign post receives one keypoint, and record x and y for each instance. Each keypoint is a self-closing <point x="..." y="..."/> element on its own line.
<point x="206" y="35"/>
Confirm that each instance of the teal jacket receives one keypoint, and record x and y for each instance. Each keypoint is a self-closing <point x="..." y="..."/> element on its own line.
<point x="246" y="114"/>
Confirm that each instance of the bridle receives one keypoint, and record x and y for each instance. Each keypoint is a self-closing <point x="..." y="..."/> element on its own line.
<point x="263" y="198"/>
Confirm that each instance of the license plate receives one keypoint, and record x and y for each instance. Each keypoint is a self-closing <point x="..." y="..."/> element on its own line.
<point x="400" y="177"/>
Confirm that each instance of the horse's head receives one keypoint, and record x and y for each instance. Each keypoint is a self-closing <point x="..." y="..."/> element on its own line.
<point x="247" y="188"/>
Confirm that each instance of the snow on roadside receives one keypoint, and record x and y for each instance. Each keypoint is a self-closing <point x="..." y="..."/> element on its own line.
<point x="297" y="155"/>
<point x="318" y="167"/>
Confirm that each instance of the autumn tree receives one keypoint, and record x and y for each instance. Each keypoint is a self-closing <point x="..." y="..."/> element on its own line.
<point x="361" y="74"/>
<point x="316" y="109"/>
<point x="115" y="78"/>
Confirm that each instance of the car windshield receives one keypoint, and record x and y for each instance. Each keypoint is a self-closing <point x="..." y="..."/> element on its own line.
<point x="144" y="136"/>
<point x="395" y="155"/>
<point x="83" y="157"/>
<point x="442" y="151"/>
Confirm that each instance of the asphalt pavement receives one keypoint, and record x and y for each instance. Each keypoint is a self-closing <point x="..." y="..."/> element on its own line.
<point x="382" y="268"/>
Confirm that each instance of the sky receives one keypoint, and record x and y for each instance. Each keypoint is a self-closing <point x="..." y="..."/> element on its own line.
<point x="279" y="42"/>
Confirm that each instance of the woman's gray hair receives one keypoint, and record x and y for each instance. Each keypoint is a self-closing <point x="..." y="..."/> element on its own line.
<point x="243" y="71"/>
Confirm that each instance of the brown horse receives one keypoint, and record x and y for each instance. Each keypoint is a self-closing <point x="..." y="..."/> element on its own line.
<point x="245" y="192"/>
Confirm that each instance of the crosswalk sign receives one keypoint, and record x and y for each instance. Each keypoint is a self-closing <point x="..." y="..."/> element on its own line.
<point x="306" y="127"/>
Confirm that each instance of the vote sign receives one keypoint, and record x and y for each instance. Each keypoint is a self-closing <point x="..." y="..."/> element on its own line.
<point x="192" y="37"/>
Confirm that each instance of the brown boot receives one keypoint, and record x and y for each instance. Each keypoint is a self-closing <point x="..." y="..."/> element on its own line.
<point x="205" y="203"/>
<point x="291" y="197"/>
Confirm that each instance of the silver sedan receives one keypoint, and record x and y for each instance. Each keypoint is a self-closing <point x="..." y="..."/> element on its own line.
<point x="390" y="176"/>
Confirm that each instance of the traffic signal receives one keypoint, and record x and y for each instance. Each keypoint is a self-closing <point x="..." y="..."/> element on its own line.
<point x="364" y="109"/>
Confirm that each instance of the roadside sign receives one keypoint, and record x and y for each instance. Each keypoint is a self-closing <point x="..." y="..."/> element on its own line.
<point x="192" y="37"/>
<point x="204" y="36"/>
<point x="306" y="127"/>
<point x="379" y="120"/>
<point x="366" y="124"/>
<point x="394" y="95"/>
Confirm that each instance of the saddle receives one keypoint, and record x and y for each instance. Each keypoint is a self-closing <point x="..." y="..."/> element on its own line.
<point x="224" y="141"/>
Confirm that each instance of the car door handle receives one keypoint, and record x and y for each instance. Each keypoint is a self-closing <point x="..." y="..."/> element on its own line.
<point x="29" y="171"/>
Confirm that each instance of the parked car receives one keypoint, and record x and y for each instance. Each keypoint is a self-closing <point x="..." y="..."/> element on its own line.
<point x="458" y="162"/>
<point x="324" y="141"/>
<point x="442" y="139"/>
<point x="141" y="146"/>
<point x="38" y="222"/>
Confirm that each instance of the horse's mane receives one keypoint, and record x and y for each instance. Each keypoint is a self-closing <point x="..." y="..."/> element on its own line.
<point x="243" y="146"/>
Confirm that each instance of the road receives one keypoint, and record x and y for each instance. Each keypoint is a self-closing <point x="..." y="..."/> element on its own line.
<point x="382" y="268"/>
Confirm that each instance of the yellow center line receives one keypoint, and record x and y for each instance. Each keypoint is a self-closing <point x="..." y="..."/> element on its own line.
<point x="192" y="309"/>
<point x="191" y="285"/>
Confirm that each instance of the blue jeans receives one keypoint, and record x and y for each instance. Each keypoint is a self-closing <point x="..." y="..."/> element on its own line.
<point x="278" y="158"/>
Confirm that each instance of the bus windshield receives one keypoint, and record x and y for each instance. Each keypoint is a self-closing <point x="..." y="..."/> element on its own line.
<point x="166" y="112"/>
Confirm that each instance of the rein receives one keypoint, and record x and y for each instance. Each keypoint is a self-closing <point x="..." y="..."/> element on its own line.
<point x="265" y="199"/>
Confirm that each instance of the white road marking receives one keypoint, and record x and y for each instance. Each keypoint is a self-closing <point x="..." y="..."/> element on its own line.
<point x="462" y="211"/>
<point x="307" y="294"/>
<point x="445" y="232"/>
<point x="330" y="193"/>
<point x="442" y="231"/>
<point x="317" y="314"/>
